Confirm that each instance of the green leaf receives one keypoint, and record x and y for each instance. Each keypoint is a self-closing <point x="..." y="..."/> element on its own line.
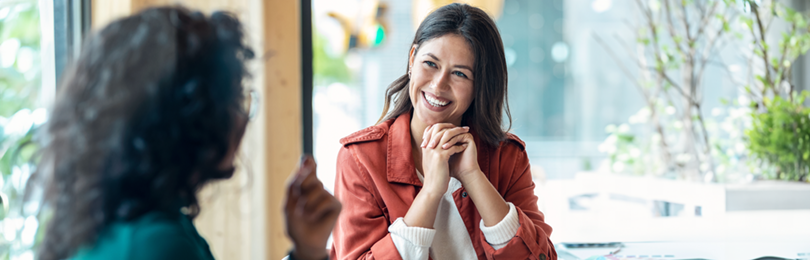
<point x="790" y="12"/>
<point x="645" y="41"/>
<point x="800" y="21"/>
<point x="747" y="21"/>
<point x="761" y="80"/>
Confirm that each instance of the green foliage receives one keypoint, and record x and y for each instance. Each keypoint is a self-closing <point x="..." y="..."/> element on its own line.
<point x="19" y="84"/>
<point x="781" y="137"/>
<point x="326" y="68"/>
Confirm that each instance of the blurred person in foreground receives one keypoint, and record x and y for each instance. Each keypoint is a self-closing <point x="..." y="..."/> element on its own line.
<point x="154" y="109"/>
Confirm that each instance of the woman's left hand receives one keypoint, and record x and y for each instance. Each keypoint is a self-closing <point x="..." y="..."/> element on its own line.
<point x="465" y="163"/>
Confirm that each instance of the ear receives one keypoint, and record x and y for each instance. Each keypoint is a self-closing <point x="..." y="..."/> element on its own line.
<point x="412" y="54"/>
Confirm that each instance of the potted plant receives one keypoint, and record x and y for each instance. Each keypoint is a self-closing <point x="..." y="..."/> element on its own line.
<point x="764" y="136"/>
<point x="779" y="136"/>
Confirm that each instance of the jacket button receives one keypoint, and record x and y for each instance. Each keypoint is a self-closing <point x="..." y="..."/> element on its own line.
<point x="542" y="257"/>
<point x="464" y="194"/>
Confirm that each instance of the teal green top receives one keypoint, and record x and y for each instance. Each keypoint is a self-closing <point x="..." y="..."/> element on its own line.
<point x="155" y="236"/>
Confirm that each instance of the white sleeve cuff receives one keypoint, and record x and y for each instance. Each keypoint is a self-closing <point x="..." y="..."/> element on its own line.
<point x="500" y="234"/>
<point x="411" y="242"/>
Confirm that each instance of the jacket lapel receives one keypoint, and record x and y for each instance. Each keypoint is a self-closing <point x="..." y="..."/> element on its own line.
<point x="400" y="167"/>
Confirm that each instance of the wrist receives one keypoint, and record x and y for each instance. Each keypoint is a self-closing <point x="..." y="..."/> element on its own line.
<point x="469" y="176"/>
<point x="431" y="193"/>
<point x="307" y="254"/>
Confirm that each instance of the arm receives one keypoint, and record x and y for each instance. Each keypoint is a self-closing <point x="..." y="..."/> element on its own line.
<point x="435" y="163"/>
<point x="524" y="225"/>
<point x="361" y="231"/>
<point x="491" y="206"/>
<point x="532" y="237"/>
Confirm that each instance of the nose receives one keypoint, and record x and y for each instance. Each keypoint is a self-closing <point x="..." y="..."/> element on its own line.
<point x="441" y="82"/>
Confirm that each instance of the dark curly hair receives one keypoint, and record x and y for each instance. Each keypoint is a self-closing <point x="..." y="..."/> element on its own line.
<point x="144" y="118"/>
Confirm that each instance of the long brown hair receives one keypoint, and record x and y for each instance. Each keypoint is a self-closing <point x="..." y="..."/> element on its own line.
<point x="485" y="114"/>
<point x="141" y="122"/>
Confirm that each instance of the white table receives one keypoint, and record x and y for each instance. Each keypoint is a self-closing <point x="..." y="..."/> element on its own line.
<point x="726" y="235"/>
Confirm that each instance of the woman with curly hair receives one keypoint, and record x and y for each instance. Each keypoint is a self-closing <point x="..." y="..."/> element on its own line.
<point x="154" y="109"/>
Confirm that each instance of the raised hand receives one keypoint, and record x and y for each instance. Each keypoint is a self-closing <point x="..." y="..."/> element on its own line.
<point x="310" y="212"/>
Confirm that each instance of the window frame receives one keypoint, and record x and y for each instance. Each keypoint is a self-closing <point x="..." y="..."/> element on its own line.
<point x="71" y="23"/>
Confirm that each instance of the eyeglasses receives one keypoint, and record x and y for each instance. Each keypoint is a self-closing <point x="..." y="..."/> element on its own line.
<point x="251" y="103"/>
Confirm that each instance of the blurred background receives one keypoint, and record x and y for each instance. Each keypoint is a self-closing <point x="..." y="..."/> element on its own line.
<point x="645" y="121"/>
<point x="672" y="129"/>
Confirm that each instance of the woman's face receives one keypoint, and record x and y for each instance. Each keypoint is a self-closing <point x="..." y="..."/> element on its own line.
<point x="442" y="76"/>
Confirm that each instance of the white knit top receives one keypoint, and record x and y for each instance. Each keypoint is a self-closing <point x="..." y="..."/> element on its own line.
<point x="449" y="238"/>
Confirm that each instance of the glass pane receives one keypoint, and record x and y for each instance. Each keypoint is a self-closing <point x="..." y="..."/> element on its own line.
<point x="22" y="109"/>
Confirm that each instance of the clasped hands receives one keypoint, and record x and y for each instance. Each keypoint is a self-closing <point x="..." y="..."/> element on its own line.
<point x="447" y="151"/>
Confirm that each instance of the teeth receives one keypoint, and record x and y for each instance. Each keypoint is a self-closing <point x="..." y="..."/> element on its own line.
<point x="434" y="102"/>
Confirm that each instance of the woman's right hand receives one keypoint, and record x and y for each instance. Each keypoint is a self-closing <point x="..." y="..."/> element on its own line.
<point x="435" y="159"/>
<point x="310" y="212"/>
<point x="436" y="169"/>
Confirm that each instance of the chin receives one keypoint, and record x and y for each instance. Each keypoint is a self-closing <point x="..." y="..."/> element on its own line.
<point x="428" y="119"/>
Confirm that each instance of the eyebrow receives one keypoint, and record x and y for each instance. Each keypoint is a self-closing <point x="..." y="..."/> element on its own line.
<point x="456" y="66"/>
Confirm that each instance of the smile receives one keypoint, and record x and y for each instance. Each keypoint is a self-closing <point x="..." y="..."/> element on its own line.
<point x="434" y="101"/>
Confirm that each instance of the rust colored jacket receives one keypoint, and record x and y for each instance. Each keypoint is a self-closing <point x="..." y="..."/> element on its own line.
<point x="376" y="183"/>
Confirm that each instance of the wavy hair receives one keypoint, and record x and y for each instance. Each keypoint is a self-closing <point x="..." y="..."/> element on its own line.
<point x="485" y="114"/>
<point x="141" y="122"/>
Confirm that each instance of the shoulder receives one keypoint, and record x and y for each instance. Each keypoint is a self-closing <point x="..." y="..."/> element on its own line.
<point x="152" y="236"/>
<point x="372" y="133"/>
<point x="369" y="134"/>
<point x="169" y="237"/>
<point x="513" y="142"/>
<point x="158" y="227"/>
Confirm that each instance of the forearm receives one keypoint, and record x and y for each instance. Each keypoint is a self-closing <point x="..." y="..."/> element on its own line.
<point x="301" y="255"/>
<point x="491" y="206"/>
<point x="422" y="212"/>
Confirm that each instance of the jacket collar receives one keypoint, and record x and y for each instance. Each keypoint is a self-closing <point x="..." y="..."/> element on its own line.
<point x="399" y="160"/>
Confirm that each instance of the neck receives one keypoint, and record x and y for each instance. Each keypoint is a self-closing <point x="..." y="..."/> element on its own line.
<point x="417" y="131"/>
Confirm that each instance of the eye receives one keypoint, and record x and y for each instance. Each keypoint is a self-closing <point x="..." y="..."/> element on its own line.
<point x="430" y="63"/>
<point x="460" y="74"/>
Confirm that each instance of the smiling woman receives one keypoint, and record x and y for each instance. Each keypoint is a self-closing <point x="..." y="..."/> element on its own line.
<point x="441" y="88"/>
<point x="438" y="176"/>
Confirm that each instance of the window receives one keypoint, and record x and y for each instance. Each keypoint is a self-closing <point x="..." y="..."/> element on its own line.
<point x="37" y="40"/>
<point x="21" y="107"/>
